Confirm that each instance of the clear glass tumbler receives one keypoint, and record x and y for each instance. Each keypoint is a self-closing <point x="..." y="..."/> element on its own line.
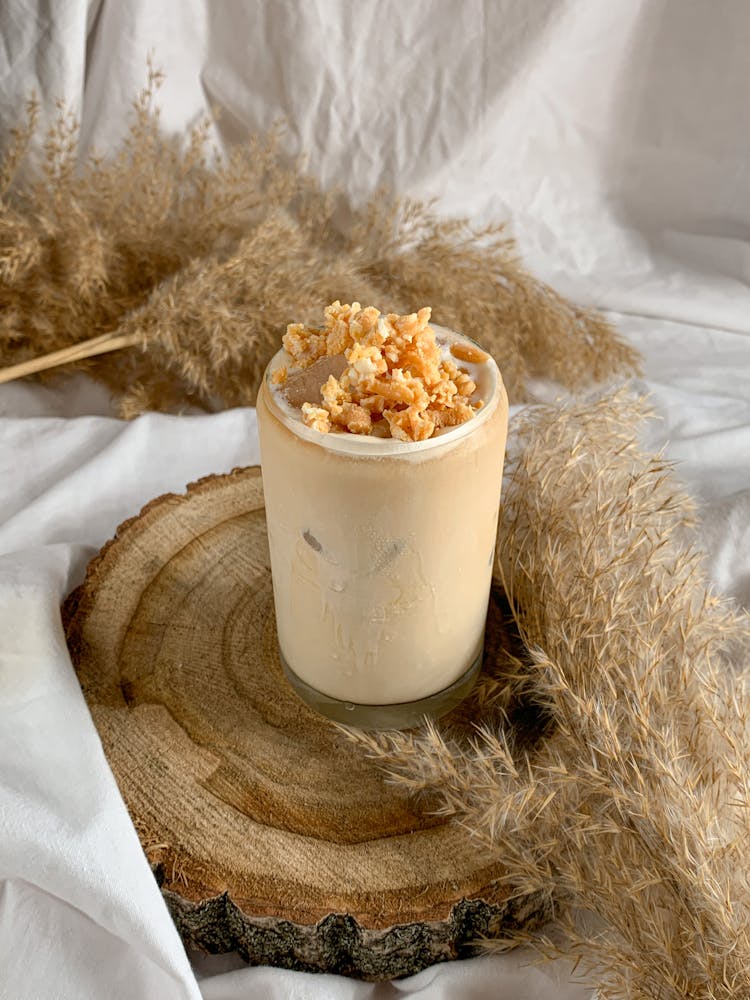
<point x="381" y="557"/>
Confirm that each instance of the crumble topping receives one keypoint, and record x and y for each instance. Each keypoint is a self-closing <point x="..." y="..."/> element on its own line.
<point x="394" y="381"/>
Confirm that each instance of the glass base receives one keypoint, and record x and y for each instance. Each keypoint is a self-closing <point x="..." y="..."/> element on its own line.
<point x="405" y="715"/>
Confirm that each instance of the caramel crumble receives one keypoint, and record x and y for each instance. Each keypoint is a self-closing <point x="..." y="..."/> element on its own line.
<point x="393" y="380"/>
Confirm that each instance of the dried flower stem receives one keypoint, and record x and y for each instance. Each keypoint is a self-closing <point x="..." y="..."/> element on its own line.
<point x="103" y="344"/>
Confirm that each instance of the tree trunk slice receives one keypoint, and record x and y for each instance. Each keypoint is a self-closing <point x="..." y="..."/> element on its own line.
<point x="270" y="832"/>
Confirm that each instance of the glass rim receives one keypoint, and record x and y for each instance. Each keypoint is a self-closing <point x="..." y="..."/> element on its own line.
<point x="366" y="446"/>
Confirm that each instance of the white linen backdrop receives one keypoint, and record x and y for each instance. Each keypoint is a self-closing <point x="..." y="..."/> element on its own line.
<point x="615" y="138"/>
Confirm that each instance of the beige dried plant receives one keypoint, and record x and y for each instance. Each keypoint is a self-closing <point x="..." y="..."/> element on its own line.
<point x="607" y="761"/>
<point x="201" y="260"/>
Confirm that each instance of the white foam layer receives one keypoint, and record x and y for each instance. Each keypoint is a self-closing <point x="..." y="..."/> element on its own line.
<point x="486" y="375"/>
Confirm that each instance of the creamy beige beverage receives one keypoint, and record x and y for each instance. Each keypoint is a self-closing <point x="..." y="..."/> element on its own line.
<point x="382" y="546"/>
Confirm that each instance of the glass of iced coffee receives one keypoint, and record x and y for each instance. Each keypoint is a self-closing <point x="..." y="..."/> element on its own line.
<point x="382" y="443"/>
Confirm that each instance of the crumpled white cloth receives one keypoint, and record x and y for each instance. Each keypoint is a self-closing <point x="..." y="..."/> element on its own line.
<point x="614" y="136"/>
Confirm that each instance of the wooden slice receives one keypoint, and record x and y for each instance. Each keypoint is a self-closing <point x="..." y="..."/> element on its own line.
<point x="270" y="832"/>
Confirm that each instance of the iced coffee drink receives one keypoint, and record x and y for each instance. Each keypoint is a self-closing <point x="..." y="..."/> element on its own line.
<point x="382" y="442"/>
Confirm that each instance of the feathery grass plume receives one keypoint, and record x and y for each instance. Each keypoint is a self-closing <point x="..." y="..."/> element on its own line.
<point x="246" y="296"/>
<point x="205" y="258"/>
<point x="475" y="283"/>
<point x="630" y="802"/>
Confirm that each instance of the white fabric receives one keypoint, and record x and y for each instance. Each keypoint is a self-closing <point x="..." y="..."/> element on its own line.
<point x="615" y="138"/>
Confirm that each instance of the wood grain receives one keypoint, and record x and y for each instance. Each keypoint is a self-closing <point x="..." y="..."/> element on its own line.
<point x="265" y="826"/>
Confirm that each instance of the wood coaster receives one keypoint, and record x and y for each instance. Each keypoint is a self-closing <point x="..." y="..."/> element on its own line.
<point x="271" y="834"/>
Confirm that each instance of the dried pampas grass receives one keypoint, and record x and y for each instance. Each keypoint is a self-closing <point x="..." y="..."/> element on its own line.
<point x="200" y="262"/>
<point x="607" y="760"/>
